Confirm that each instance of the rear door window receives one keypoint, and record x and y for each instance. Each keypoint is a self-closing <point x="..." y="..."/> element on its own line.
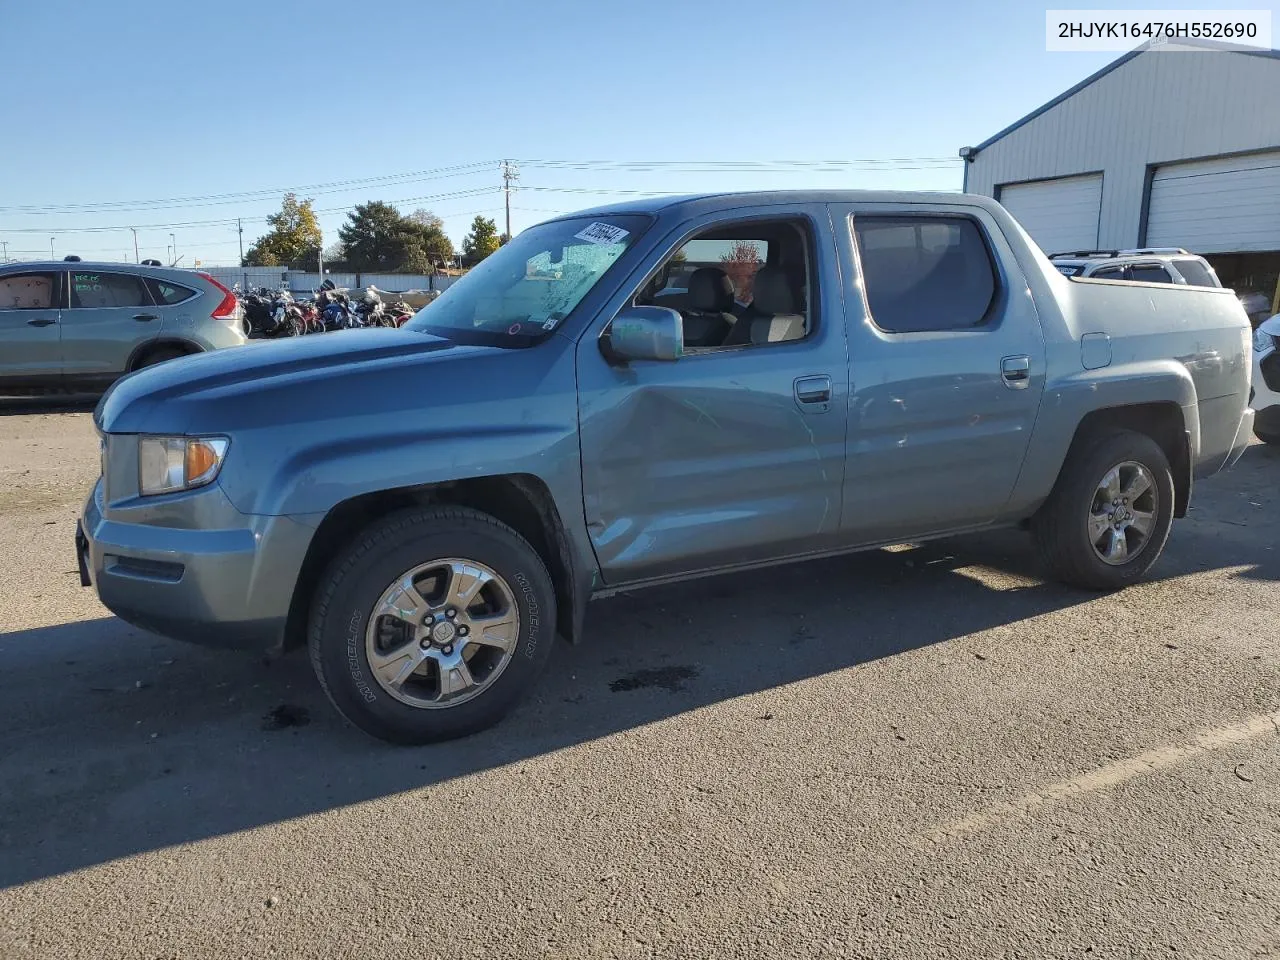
<point x="28" y="291"/>
<point x="1195" y="273"/>
<point x="1150" y="273"/>
<point x="95" y="289"/>
<point x="167" y="293"/>
<point x="1109" y="273"/>
<point x="925" y="273"/>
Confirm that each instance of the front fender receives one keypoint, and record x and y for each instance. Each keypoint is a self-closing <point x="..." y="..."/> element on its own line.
<point x="1071" y="398"/>
<point x="315" y="477"/>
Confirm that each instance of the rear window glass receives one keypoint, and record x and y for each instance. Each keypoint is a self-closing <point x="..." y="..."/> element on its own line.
<point x="925" y="273"/>
<point x="27" y="291"/>
<point x="1067" y="270"/>
<point x="168" y="293"/>
<point x="1109" y="273"/>
<point x="1195" y="273"/>
<point x="1150" y="273"/>
<point x="91" y="290"/>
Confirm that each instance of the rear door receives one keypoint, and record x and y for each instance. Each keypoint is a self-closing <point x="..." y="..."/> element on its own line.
<point x="30" y="353"/>
<point x="947" y="365"/>
<point x="110" y="315"/>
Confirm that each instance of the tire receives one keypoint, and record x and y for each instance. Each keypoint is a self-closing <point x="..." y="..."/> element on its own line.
<point x="1064" y="531"/>
<point x="431" y="544"/>
<point x="1267" y="437"/>
<point x="159" y="355"/>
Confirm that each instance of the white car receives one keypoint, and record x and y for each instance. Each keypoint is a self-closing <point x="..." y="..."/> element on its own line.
<point x="1147" y="265"/>
<point x="1264" y="395"/>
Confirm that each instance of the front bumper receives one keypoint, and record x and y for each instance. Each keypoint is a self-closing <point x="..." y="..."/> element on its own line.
<point x="230" y="587"/>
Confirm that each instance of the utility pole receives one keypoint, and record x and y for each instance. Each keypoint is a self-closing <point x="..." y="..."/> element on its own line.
<point x="320" y="259"/>
<point x="509" y="175"/>
<point x="136" y="258"/>
<point x="51" y="253"/>
<point x="244" y="274"/>
<point x="5" y="245"/>
<point x="175" y="250"/>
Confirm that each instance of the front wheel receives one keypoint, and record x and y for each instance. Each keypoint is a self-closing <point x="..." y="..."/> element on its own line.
<point x="1108" y="518"/>
<point x="432" y="625"/>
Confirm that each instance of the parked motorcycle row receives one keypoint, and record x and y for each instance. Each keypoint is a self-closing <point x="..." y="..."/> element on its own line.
<point x="270" y="314"/>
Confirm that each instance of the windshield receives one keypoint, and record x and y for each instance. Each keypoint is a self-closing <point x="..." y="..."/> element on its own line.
<point x="526" y="288"/>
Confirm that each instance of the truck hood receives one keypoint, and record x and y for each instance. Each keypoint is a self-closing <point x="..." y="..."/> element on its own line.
<point x="163" y="398"/>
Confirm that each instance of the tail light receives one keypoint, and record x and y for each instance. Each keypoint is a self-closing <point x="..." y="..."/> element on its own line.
<point x="226" y="309"/>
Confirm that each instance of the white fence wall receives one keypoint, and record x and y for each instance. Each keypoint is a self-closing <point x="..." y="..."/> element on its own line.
<point x="300" y="282"/>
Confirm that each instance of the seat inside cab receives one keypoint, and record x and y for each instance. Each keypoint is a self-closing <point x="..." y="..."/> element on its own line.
<point x="738" y="285"/>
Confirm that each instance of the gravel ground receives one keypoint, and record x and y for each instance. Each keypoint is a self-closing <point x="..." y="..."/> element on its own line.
<point x="920" y="752"/>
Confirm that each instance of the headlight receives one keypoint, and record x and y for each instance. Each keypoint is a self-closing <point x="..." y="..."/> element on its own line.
<point x="1262" y="342"/>
<point x="169" y="464"/>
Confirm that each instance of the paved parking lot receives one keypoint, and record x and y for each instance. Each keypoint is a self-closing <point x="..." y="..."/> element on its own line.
<point x="924" y="752"/>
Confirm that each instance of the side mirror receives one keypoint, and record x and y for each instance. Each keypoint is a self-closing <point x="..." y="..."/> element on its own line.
<point x="647" y="333"/>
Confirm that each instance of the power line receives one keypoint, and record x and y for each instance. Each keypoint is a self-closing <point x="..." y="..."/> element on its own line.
<point x="120" y="206"/>
<point x="457" y="194"/>
<point x="481" y="166"/>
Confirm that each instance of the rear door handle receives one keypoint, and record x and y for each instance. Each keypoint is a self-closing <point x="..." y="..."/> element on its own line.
<point x="813" y="389"/>
<point x="145" y="316"/>
<point x="40" y="322"/>
<point x="1016" y="372"/>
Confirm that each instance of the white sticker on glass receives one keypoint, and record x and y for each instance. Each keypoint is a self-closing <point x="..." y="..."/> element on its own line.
<point x="602" y="233"/>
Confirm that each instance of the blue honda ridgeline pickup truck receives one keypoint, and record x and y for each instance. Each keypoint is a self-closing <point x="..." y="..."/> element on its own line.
<point x="643" y="393"/>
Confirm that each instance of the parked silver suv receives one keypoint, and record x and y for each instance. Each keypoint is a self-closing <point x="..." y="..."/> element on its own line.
<point x="75" y="326"/>
<point x="1145" y="265"/>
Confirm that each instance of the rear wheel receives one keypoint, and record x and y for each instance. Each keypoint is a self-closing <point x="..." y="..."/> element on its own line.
<point x="1109" y="515"/>
<point x="1266" y="436"/>
<point x="432" y="625"/>
<point x="159" y="355"/>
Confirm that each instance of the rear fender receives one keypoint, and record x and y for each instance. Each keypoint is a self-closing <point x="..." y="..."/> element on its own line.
<point x="1069" y="401"/>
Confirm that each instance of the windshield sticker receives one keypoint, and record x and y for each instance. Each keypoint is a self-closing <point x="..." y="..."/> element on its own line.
<point x="602" y="233"/>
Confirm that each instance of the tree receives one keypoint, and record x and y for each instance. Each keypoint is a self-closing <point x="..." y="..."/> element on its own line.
<point x="293" y="240"/>
<point x="482" y="240"/>
<point x="427" y="233"/>
<point x="425" y="218"/>
<point x="741" y="264"/>
<point x="377" y="237"/>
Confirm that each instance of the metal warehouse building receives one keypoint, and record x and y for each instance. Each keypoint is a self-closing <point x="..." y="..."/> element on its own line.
<point x="1162" y="148"/>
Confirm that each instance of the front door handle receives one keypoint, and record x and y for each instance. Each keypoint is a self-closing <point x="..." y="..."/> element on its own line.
<point x="41" y="322"/>
<point x="813" y="389"/>
<point x="1016" y="372"/>
<point x="145" y="316"/>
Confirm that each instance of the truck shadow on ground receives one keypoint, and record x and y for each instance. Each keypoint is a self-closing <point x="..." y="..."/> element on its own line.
<point x="114" y="742"/>
<point x="66" y="403"/>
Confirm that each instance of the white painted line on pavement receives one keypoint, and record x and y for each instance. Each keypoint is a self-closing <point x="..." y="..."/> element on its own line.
<point x="1106" y="777"/>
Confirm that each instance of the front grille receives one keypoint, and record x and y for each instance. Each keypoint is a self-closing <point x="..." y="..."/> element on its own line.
<point x="1271" y="370"/>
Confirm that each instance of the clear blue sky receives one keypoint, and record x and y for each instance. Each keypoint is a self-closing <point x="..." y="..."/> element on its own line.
<point x="133" y="101"/>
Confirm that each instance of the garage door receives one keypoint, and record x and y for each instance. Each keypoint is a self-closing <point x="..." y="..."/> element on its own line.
<point x="1059" y="214"/>
<point x="1226" y="205"/>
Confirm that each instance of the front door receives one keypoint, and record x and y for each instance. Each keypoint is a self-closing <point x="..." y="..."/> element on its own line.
<point x="733" y="453"/>
<point x="111" y="314"/>
<point x="947" y="366"/>
<point x="29" y="329"/>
